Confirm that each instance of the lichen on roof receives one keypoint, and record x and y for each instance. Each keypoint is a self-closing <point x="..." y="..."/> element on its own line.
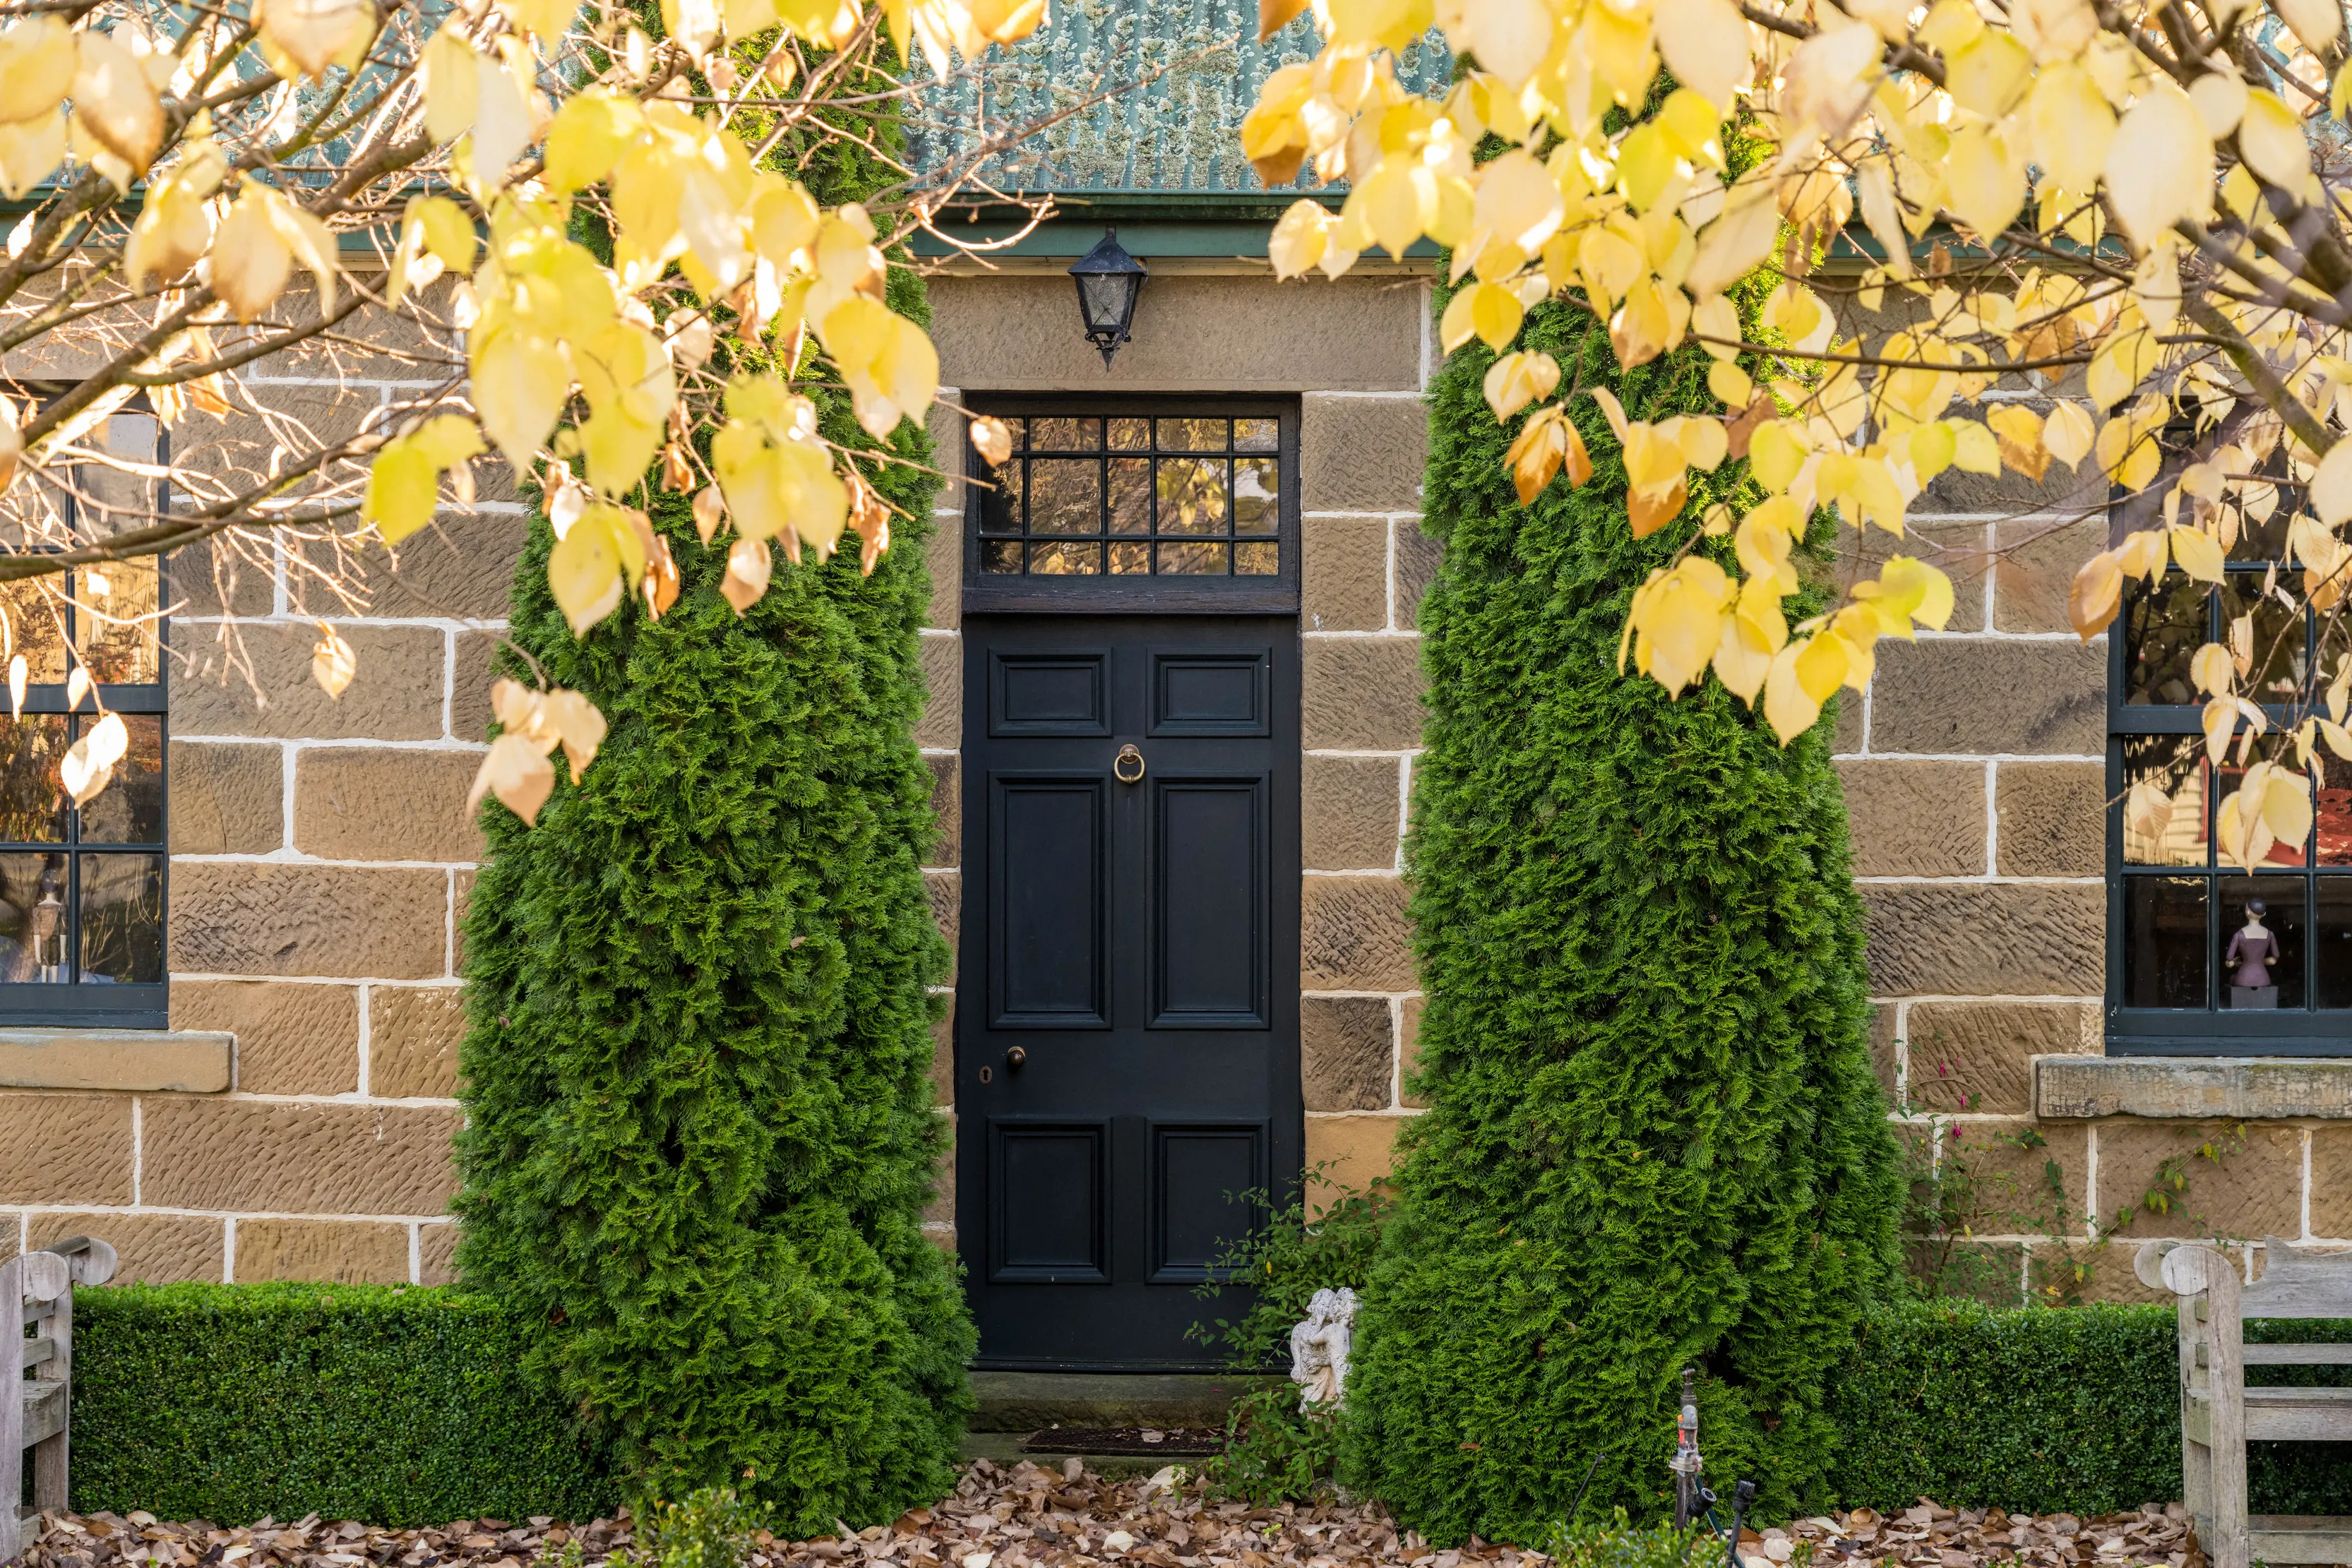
<point x="1180" y="74"/>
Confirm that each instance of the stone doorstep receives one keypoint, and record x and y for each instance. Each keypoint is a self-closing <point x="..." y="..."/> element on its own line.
<point x="2254" y="1089"/>
<point x="1004" y="1448"/>
<point x="1019" y="1402"/>
<point x="164" y="1061"/>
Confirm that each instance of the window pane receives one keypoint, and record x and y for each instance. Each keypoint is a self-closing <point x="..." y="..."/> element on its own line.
<point x="2331" y="828"/>
<point x="1065" y="559"/>
<point x="1191" y="496"/>
<point x="114" y="622"/>
<point x="32" y="799"/>
<point x="1130" y="560"/>
<point x="2164" y="942"/>
<point x="2163" y="629"/>
<point x="2176" y="765"/>
<point x="129" y="810"/>
<point x="1191" y="561"/>
<point x="1255" y="434"/>
<point x="2225" y="784"/>
<point x="1064" y="497"/>
<point x="2332" y="942"/>
<point x="1260" y="559"/>
<point x="2249" y="536"/>
<point x="999" y="556"/>
<point x="1257" y="490"/>
<point x="1066" y="435"/>
<point x="2246" y="958"/>
<point x="33" y="894"/>
<point x="122" y="919"/>
<point x="999" y="508"/>
<point x="1131" y="494"/>
<point x="2272" y="639"/>
<point x="36" y="618"/>
<point x="1191" y="435"/>
<point x="1131" y="435"/>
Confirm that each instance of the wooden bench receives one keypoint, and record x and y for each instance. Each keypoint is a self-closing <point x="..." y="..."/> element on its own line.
<point x="36" y="1387"/>
<point x="2220" y="1415"/>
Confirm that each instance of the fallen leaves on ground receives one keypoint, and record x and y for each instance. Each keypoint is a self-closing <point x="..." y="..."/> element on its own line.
<point x="1026" y="1517"/>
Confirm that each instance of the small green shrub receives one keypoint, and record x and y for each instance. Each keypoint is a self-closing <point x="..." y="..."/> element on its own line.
<point x="711" y="1529"/>
<point x="1275" y="1451"/>
<point x="1618" y="1544"/>
<point x="401" y="1407"/>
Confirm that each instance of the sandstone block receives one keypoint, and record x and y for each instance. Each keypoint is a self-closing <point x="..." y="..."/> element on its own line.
<point x="2053" y="818"/>
<point x="241" y="1154"/>
<point x="1849" y="725"/>
<point x="291" y="1038"/>
<point x="945" y="890"/>
<point x="1354" y="936"/>
<point x="460" y="568"/>
<point x="943" y="721"/>
<point x="461" y="891"/>
<point x="437" y="1254"/>
<point x="172" y="1060"/>
<point x="946" y="810"/>
<point x="2026" y="1179"/>
<point x="1976" y="1056"/>
<point x="1955" y="549"/>
<point x="943" y="553"/>
<point x="1988" y="1271"/>
<point x="1361" y="454"/>
<point x="2238" y="1088"/>
<point x="1345" y="1054"/>
<point x="149" y="1249"/>
<point x="2036" y="566"/>
<point x="1417" y="559"/>
<point x="2331" y="1183"/>
<point x="473" y="669"/>
<point x="1362" y="694"/>
<point x="951" y="447"/>
<point x="228" y="798"/>
<point x="1976" y="698"/>
<point x="1349" y="812"/>
<point x="361" y="921"/>
<point x="413" y="1035"/>
<point x="2001" y="939"/>
<point x="213" y="579"/>
<point x="1409" y="1051"/>
<point x="2202" y="1178"/>
<point x="1915" y="818"/>
<point x="1344" y="574"/>
<point x="1358" y="1148"/>
<point x="1885" y="1039"/>
<point x="2059" y="490"/>
<point x="377" y="803"/>
<point x="339" y="1252"/>
<point x="943" y="1056"/>
<point x="1192" y="333"/>
<point x="296" y="420"/>
<point x="2081" y="1273"/>
<point x="396" y="695"/>
<point x="66" y="1148"/>
<point x="941" y="1210"/>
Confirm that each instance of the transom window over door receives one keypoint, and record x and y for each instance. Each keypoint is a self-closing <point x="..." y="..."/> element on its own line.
<point x="1123" y="503"/>
<point x="2179" y="952"/>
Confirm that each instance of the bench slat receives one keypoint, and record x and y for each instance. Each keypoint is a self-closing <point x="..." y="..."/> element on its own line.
<point x="44" y="1411"/>
<point x="2287" y="1356"/>
<point x="38" y="1351"/>
<point x="2276" y="1538"/>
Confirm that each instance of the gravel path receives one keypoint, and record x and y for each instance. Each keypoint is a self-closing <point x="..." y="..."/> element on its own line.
<point x="1029" y="1517"/>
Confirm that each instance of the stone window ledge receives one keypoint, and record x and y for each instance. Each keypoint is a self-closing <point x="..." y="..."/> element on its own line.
<point x="2246" y="1088"/>
<point x="160" y="1061"/>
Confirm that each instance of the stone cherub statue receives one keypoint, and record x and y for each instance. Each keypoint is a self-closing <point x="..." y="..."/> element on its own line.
<point x="1318" y="1348"/>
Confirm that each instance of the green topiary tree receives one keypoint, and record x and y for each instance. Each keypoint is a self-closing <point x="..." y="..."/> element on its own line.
<point x="1653" y="1136"/>
<point x="699" y="1132"/>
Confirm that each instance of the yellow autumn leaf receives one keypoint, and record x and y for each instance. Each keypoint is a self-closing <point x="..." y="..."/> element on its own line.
<point x="2094" y="595"/>
<point x="2159" y="169"/>
<point x="1516" y="380"/>
<point x="115" y="101"/>
<point x="519" y="773"/>
<point x="2067" y="431"/>
<point x="333" y="663"/>
<point x="37" y="61"/>
<point x="2196" y="552"/>
<point x="2273" y="140"/>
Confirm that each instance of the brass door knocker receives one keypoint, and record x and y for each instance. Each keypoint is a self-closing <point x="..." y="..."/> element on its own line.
<point x="1120" y="764"/>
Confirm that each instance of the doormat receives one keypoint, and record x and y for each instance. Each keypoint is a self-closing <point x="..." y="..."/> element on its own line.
<point x="1186" y="1442"/>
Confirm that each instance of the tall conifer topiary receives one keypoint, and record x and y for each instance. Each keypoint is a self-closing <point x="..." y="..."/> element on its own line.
<point x="700" y="1130"/>
<point x="1654" y="1137"/>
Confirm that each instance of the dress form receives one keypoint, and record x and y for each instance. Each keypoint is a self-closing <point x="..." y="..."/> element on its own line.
<point x="2248" y="961"/>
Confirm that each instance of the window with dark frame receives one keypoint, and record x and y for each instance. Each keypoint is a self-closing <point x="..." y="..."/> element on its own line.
<point x="83" y="889"/>
<point x="2174" y="902"/>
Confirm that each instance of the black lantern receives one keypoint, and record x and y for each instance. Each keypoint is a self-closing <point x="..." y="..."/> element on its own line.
<point x="1109" y="282"/>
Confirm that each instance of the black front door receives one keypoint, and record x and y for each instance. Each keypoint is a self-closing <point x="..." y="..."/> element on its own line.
<point x="1126" y="1004"/>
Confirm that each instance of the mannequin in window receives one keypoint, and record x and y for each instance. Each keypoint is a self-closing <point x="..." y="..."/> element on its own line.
<point x="2248" y="961"/>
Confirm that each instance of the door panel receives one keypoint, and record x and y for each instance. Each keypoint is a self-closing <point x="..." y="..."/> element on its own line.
<point x="1127" y="1054"/>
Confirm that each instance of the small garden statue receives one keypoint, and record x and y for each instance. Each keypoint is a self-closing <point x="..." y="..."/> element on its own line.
<point x="1318" y="1348"/>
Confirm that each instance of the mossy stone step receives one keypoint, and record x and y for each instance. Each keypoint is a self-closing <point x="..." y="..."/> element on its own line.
<point x="1024" y="1402"/>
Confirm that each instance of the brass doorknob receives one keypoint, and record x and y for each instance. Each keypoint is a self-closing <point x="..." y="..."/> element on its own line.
<point x="1015" y="1058"/>
<point x="1128" y="757"/>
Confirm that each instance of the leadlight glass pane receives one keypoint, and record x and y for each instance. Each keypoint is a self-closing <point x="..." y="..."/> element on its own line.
<point x="34" y="924"/>
<point x="1064" y="495"/>
<point x="999" y="556"/>
<point x="2164" y="941"/>
<point x="1192" y="560"/>
<point x="1131" y="435"/>
<point x="1256" y="434"/>
<point x="2176" y="765"/>
<point x="1130" y="560"/>
<point x="2332" y="942"/>
<point x="122" y="919"/>
<point x="1191" y="496"/>
<point x="2163" y="629"/>
<point x="1193" y="435"/>
<point x="1257" y="490"/>
<point x="36" y="618"/>
<point x="1066" y="559"/>
<point x="2225" y="784"/>
<point x="2271" y="639"/>
<point x="129" y="810"/>
<point x="1260" y="559"/>
<point x="114" y="623"/>
<point x="2250" y="538"/>
<point x="999" y="505"/>
<point x="1130" y="496"/>
<point x="1066" y="435"/>
<point x="2283" y="919"/>
<point x="2331" y="828"/>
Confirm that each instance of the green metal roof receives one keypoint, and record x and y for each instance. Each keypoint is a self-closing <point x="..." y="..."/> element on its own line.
<point x="1180" y="75"/>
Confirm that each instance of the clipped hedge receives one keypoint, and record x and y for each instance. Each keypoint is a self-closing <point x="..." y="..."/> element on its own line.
<point x="399" y="1408"/>
<point x="2040" y="1410"/>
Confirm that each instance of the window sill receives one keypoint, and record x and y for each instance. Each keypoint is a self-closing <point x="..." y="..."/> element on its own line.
<point x="2248" y="1088"/>
<point x="162" y="1060"/>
